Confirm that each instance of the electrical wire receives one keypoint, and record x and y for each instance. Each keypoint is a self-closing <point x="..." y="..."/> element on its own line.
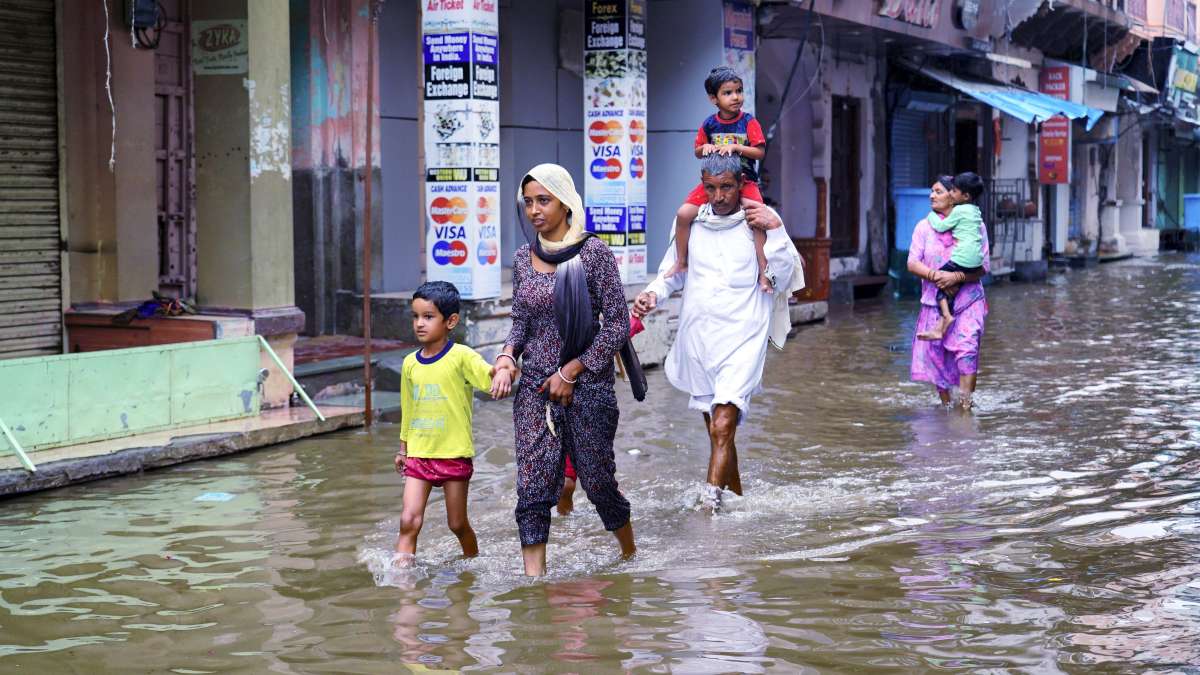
<point x="792" y="72"/>
<point x="112" y="155"/>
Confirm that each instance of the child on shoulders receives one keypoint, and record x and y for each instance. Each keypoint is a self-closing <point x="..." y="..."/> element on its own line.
<point x="727" y="132"/>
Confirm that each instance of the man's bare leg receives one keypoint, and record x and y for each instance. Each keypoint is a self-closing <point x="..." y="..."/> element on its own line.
<point x="722" y="463"/>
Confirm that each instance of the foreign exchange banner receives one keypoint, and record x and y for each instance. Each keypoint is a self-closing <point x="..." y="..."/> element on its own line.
<point x="614" y="112"/>
<point x="460" y="50"/>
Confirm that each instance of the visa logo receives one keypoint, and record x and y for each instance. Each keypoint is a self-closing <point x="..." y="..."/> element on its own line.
<point x="450" y="232"/>
<point x="606" y="151"/>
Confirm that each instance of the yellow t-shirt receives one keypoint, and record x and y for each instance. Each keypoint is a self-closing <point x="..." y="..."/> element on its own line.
<point x="435" y="401"/>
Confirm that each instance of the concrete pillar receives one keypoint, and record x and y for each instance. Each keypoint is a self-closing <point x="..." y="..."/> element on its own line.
<point x="243" y="163"/>
<point x="243" y="170"/>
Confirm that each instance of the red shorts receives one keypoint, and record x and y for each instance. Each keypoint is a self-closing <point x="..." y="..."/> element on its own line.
<point x="570" y="470"/>
<point x="697" y="197"/>
<point x="439" y="471"/>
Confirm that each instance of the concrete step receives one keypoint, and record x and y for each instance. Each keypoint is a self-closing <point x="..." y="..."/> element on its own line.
<point x="325" y="380"/>
<point x="849" y="289"/>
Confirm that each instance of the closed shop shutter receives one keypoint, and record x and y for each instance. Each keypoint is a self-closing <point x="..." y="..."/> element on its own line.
<point x="30" y="251"/>
<point x="910" y="150"/>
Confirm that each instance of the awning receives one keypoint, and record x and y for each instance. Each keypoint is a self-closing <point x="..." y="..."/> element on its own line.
<point x="1027" y="106"/>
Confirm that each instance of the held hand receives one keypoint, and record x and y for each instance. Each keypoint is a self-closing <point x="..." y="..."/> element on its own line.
<point x="561" y="391"/>
<point x="761" y="217"/>
<point x="502" y="379"/>
<point x="645" y="303"/>
<point x="944" y="280"/>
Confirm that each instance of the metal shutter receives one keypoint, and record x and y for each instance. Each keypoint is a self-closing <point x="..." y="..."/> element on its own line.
<point x="30" y="251"/>
<point x="910" y="150"/>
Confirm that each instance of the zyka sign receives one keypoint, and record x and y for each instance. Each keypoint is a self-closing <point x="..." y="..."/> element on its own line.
<point x="1054" y="141"/>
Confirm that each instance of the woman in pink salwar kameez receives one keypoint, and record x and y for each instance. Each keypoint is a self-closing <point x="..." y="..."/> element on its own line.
<point x="954" y="360"/>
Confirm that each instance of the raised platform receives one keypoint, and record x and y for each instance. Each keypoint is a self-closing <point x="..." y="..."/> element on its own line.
<point x="72" y="464"/>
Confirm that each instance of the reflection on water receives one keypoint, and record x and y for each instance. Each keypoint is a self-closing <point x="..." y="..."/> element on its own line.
<point x="1055" y="529"/>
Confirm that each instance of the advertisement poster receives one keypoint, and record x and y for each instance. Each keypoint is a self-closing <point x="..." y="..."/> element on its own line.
<point x="460" y="50"/>
<point x="739" y="46"/>
<point x="219" y="47"/>
<point x="1054" y="141"/>
<point x="615" y="129"/>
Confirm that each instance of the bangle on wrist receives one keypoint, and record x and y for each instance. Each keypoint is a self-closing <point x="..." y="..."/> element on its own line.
<point x="503" y="355"/>
<point x="564" y="377"/>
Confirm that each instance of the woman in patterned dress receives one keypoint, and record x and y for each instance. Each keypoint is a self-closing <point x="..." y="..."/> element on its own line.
<point x="953" y="360"/>
<point x="565" y="403"/>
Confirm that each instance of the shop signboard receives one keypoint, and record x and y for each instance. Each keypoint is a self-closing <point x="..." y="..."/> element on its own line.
<point x="1182" y="79"/>
<point x="460" y="50"/>
<point x="739" y="46"/>
<point x="615" y="130"/>
<point x="1054" y="141"/>
<point x="922" y="13"/>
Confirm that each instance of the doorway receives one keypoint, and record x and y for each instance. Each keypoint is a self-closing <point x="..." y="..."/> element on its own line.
<point x="174" y="143"/>
<point x="844" y="178"/>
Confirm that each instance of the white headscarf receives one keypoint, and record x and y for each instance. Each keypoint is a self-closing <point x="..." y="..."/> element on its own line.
<point x="558" y="182"/>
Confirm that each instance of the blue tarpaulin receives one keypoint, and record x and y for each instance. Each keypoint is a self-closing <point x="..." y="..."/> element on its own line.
<point x="1027" y="106"/>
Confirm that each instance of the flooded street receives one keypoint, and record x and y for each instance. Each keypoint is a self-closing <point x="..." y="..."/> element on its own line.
<point x="1055" y="529"/>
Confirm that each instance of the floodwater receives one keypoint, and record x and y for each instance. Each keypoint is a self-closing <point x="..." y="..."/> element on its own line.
<point x="1055" y="529"/>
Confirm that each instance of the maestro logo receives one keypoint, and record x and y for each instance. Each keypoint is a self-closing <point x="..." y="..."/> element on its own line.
<point x="450" y="252"/>
<point x="637" y="131"/>
<point x="487" y="252"/>
<point x="448" y="210"/>
<point x="484" y="208"/>
<point x="605" y="132"/>
<point x="637" y="167"/>
<point x="606" y="168"/>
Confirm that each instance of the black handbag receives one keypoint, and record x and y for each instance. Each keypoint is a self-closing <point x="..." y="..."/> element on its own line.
<point x="632" y="367"/>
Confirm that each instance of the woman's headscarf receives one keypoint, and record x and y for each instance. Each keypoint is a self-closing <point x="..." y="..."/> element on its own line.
<point x="572" y="303"/>
<point x="558" y="182"/>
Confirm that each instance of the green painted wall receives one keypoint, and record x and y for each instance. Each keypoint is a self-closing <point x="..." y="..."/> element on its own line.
<point x="74" y="398"/>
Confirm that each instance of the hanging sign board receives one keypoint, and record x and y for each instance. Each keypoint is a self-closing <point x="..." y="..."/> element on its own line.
<point x="1054" y="141"/>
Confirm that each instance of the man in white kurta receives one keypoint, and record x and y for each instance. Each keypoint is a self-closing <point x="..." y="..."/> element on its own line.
<point x="726" y="318"/>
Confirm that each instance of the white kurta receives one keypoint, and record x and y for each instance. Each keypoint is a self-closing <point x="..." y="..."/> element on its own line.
<point x="721" y="344"/>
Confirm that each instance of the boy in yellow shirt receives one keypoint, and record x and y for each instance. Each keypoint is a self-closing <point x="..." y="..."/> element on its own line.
<point x="436" y="445"/>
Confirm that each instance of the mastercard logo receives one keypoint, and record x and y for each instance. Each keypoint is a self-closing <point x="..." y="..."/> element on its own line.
<point x="605" y="132"/>
<point x="487" y="252"/>
<point x="637" y="131"/>
<point x="450" y="253"/>
<point x="453" y="210"/>
<point x="484" y="209"/>
<point x="637" y="167"/>
<point x="606" y="168"/>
